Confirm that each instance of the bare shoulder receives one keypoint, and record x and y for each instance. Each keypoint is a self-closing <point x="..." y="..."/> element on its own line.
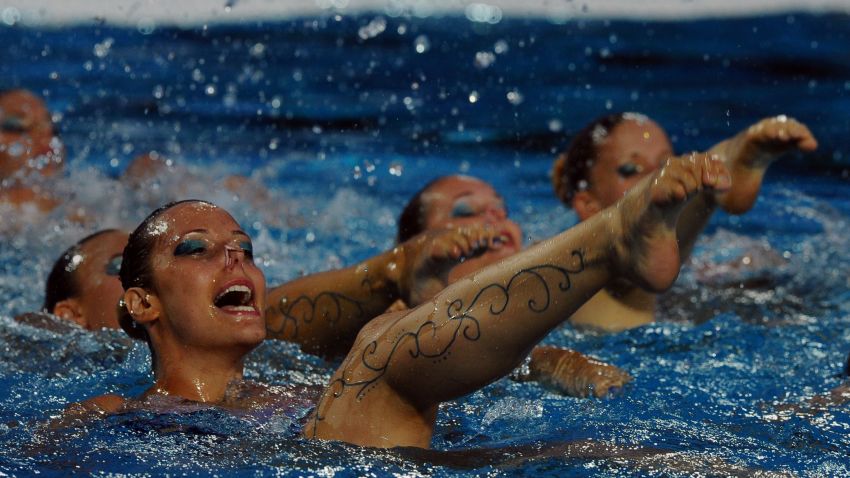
<point x="103" y="404"/>
<point x="79" y="413"/>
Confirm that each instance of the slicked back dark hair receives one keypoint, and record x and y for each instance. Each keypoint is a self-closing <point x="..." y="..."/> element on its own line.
<point x="412" y="219"/>
<point x="571" y="171"/>
<point x="136" y="267"/>
<point x="62" y="281"/>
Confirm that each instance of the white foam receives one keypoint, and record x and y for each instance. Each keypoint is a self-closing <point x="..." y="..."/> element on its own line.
<point x="147" y="14"/>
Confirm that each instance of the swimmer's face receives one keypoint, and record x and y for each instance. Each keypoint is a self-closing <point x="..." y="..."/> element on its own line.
<point x="27" y="141"/>
<point x="210" y="293"/>
<point x="632" y="150"/>
<point x="459" y="201"/>
<point x="97" y="279"/>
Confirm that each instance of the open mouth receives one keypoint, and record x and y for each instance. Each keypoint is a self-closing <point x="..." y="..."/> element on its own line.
<point x="235" y="299"/>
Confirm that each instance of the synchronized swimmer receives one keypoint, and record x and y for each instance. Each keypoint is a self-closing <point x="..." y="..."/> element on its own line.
<point x="455" y="305"/>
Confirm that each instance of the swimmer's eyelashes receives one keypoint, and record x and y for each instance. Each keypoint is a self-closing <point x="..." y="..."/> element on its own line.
<point x="462" y="208"/>
<point x="198" y="247"/>
<point x="113" y="267"/>
<point x="13" y="124"/>
<point x="629" y="169"/>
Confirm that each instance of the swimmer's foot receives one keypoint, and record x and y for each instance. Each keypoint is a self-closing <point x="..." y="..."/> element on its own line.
<point x="748" y="155"/>
<point x="647" y="252"/>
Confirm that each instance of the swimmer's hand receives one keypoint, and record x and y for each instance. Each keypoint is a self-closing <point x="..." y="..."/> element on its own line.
<point x="748" y="155"/>
<point x="426" y="259"/>
<point x="574" y="374"/>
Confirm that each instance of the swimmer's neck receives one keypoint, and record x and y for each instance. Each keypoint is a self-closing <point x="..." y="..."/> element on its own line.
<point x="611" y="313"/>
<point x="197" y="377"/>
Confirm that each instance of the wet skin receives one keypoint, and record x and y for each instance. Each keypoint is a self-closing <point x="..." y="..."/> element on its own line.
<point x="461" y="201"/>
<point x="632" y="150"/>
<point x="201" y="253"/>
<point x="27" y="140"/>
<point x="98" y="284"/>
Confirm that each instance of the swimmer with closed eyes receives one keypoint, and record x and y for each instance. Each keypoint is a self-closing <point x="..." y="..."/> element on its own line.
<point x="191" y="284"/>
<point x="613" y="153"/>
<point x="464" y="201"/>
<point x="83" y="286"/>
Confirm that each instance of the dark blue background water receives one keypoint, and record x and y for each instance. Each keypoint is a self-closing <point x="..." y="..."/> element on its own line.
<point x="343" y="127"/>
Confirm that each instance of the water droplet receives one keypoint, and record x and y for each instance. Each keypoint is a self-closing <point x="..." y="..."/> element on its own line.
<point x="373" y="29"/>
<point x="146" y="26"/>
<point x="102" y="49"/>
<point x="422" y="44"/>
<point x="158" y="92"/>
<point x="555" y="125"/>
<point x="501" y="47"/>
<point x="209" y="90"/>
<point x="483" y="13"/>
<point x="484" y="59"/>
<point x="396" y="169"/>
<point x="258" y="50"/>
<point x="11" y="16"/>
<point x="515" y="97"/>
<point x="310" y="237"/>
<point x="473" y="97"/>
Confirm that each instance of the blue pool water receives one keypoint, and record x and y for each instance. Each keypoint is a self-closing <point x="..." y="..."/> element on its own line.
<point x="342" y="119"/>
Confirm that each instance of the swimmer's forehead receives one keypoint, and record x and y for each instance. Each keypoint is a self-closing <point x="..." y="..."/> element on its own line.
<point x="19" y="102"/>
<point x="458" y="186"/>
<point x="188" y="218"/>
<point x="601" y="133"/>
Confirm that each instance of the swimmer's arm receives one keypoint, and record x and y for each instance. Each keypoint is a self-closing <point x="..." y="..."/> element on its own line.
<point x="573" y="373"/>
<point x="324" y="312"/>
<point x="94" y="408"/>
<point x="43" y="320"/>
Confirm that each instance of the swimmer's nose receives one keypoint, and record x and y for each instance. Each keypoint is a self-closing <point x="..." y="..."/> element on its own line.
<point x="233" y="255"/>
<point x="496" y="213"/>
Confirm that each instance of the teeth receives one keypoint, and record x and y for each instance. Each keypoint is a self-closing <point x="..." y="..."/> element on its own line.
<point x="243" y="308"/>
<point x="235" y="288"/>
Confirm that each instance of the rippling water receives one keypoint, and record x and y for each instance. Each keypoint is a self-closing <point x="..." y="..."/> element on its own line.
<point x="342" y="119"/>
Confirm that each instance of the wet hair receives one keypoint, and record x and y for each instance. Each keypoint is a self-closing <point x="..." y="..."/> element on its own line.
<point x="571" y="171"/>
<point x="412" y="219"/>
<point x="136" y="267"/>
<point x="62" y="281"/>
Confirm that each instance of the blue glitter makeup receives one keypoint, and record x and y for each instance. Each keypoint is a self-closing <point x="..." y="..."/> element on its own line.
<point x="629" y="169"/>
<point x="462" y="209"/>
<point x="113" y="267"/>
<point x="247" y="248"/>
<point x="189" y="247"/>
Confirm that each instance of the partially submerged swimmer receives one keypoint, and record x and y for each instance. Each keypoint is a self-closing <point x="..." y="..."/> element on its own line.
<point x="613" y="153"/>
<point x="464" y="201"/>
<point x="29" y="149"/>
<point x="192" y="286"/>
<point x="83" y="286"/>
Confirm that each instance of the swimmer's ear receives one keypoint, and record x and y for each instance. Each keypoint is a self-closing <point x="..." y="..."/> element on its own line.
<point x="70" y="309"/>
<point x="585" y="204"/>
<point x="141" y="305"/>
